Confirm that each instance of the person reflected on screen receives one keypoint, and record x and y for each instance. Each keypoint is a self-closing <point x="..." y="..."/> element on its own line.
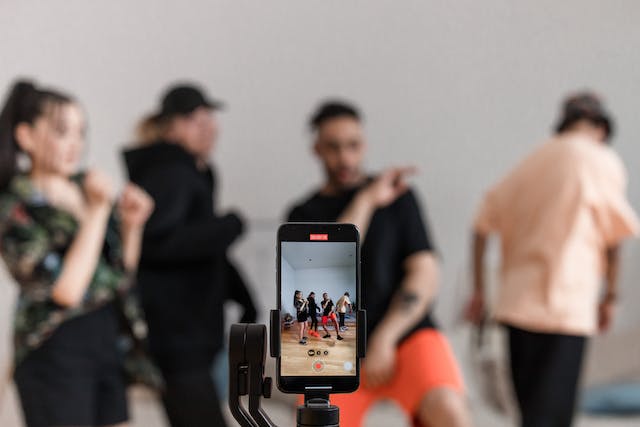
<point x="313" y="315"/>
<point x="301" y="306"/>
<point x="329" y="315"/>
<point x="343" y="304"/>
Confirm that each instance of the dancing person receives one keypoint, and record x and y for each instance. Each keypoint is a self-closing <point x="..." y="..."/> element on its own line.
<point x="313" y="315"/>
<point x="561" y="215"/>
<point x="329" y="315"/>
<point x="408" y="359"/>
<point x="185" y="274"/>
<point x="300" y="305"/>
<point x="74" y="258"/>
<point x="342" y="305"/>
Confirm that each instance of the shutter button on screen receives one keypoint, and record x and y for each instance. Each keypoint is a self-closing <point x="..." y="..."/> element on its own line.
<point x="318" y="365"/>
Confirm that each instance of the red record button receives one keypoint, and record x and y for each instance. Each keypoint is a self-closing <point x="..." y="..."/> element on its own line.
<point x="318" y="366"/>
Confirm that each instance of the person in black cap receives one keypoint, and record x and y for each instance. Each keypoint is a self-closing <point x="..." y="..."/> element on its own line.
<point x="185" y="275"/>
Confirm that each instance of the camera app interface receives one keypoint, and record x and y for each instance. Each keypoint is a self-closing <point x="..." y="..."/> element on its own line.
<point x="318" y="316"/>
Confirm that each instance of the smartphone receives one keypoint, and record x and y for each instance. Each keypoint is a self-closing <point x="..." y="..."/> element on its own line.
<point x="318" y="273"/>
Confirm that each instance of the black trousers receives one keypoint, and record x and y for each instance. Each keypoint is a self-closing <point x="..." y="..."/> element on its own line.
<point x="341" y="319"/>
<point x="191" y="400"/>
<point x="545" y="369"/>
<point x="314" y="321"/>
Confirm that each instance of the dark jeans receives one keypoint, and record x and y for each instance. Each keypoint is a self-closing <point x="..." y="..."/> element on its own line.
<point x="191" y="400"/>
<point x="545" y="369"/>
<point x="314" y="321"/>
<point x="341" y="319"/>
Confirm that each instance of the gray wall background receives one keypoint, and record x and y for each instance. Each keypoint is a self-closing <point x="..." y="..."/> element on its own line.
<point x="461" y="89"/>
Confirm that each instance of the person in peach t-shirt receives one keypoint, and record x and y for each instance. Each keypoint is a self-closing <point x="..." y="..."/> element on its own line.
<point x="561" y="216"/>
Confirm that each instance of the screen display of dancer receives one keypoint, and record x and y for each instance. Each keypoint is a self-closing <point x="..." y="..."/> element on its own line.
<point x="318" y="330"/>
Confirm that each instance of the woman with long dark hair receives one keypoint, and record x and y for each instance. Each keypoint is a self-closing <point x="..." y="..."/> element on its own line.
<point x="300" y="305"/>
<point x="185" y="275"/>
<point x="73" y="258"/>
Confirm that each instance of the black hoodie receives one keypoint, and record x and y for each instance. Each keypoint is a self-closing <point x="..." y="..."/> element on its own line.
<point x="184" y="274"/>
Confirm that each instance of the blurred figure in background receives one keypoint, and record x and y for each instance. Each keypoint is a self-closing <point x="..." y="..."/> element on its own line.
<point x="342" y="305"/>
<point x="74" y="260"/>
<point x="408" y="359"/>
<point x="561" y="215"/>
<point x="185" y="275"/>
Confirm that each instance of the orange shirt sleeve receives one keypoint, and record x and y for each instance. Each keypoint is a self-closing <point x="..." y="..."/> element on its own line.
<point x="613" y="213"/>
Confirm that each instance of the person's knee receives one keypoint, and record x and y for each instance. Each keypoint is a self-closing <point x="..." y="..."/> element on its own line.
<point x="444" y="407"/>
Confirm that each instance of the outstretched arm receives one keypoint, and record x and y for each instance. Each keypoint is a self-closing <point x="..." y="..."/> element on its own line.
<point x="383" y="191"/>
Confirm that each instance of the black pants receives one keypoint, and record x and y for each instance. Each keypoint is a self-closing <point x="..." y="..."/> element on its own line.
<point x="75" y="377"/>
<point x="191" y="400"/>
<point x="341" y="319"/>
<point x="545" y="369"/>
<point x="314" y="321"/>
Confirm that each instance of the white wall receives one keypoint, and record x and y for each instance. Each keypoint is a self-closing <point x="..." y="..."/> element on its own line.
<point x="333" y="280"/>
<point x="288" y="282"/>
<point x="462" y="89"/>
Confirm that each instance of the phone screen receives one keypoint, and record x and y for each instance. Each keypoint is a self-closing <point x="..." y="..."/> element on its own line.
<point x="318" y="296"/>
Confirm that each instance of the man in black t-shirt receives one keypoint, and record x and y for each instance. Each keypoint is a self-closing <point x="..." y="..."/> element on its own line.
<point x="408" y="359"/>
<point x="329" y="315"/>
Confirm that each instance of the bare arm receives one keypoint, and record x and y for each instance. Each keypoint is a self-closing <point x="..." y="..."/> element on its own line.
<point x="408" y="306"/>
<point x="359" y="212"/>
<point x="611" y="274"/>
<point x="479" y="249"/>
<point x="81" y="259"/>
<point x="131" y="247"/>
<point x="606" y="310"/>
<point x="475" y="310"/>
<point x="383" y="191"/>
<point x="413" y="299"/>
<point x="135" y="207"/>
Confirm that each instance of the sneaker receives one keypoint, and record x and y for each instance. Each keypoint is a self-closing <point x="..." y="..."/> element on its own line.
<point x="303" y="342"/>
<point x="304" y="338"/>
<point x="340" y="338"/>
<point x="327" y="336"/>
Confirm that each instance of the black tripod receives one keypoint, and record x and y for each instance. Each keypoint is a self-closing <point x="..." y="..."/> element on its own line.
<point x="247" y="344"/>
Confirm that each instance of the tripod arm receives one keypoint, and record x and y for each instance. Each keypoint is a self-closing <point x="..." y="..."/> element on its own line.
<point x="247" y="344"/>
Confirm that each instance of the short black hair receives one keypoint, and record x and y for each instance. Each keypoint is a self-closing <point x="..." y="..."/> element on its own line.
<point x="333" y="109"/>
<point x="347" y="294"/>
<point x="585" y="106"/>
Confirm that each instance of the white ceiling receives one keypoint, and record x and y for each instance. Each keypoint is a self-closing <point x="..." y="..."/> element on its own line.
<point x="301" y="255"/>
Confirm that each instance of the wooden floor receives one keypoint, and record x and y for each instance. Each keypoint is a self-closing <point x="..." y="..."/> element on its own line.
<point x="330" y="356"/>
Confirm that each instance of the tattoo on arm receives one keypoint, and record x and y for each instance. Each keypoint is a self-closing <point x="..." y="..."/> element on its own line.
<point x="407" y="300"/>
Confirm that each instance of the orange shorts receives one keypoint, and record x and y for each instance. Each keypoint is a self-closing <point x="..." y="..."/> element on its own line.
<point x="332" y="316"/>
<point x="424" y="361"/>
